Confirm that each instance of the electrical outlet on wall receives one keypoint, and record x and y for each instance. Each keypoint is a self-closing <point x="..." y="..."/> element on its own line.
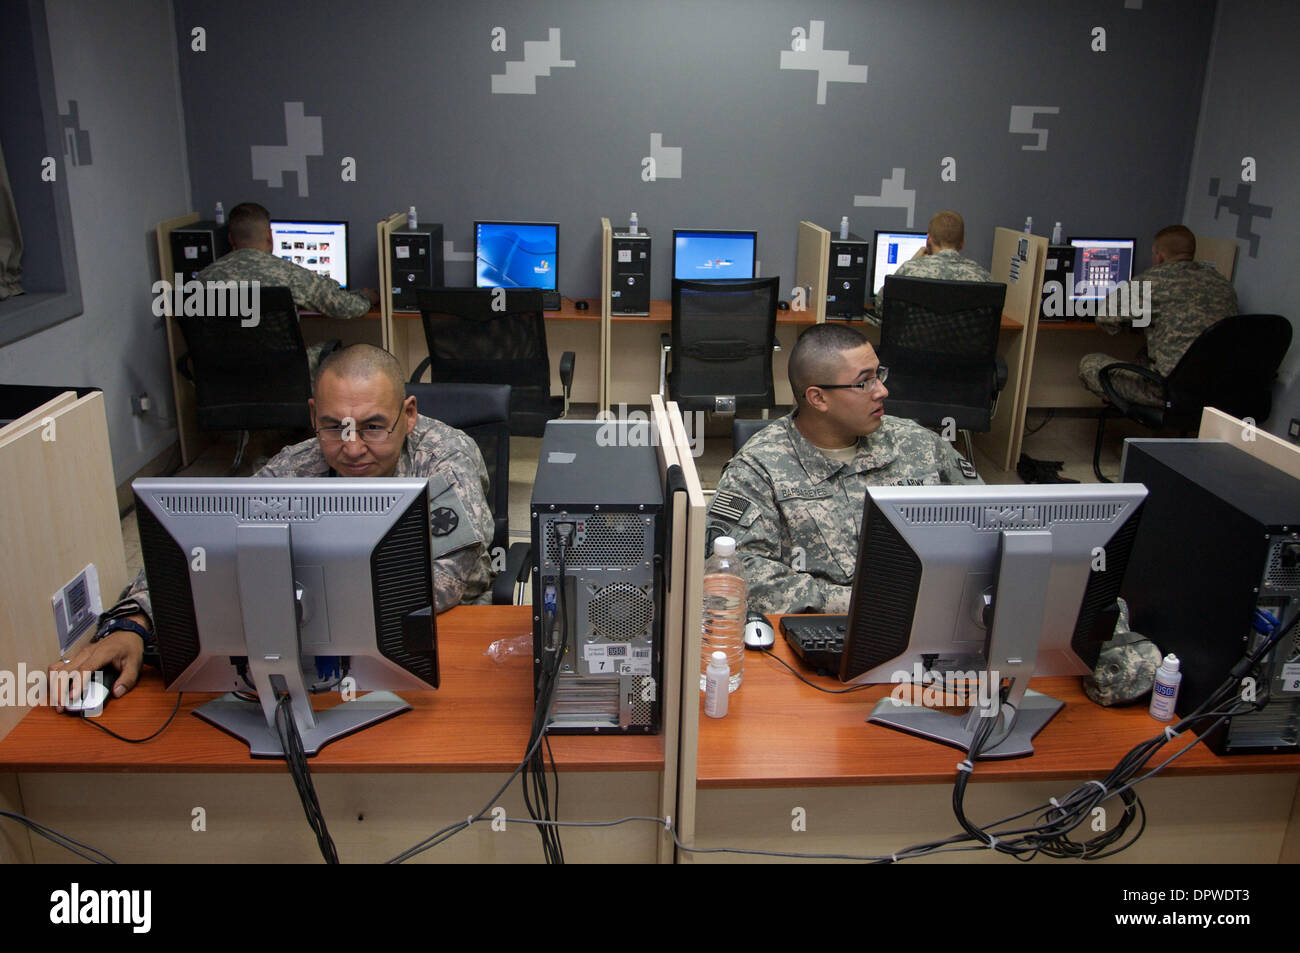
<point x="1293" y="431"/>
<point x="141" y="404"/>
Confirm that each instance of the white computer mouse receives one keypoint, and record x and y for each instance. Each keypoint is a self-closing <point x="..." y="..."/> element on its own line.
<point x="93" y="695"/>
<point x="759" y="633"/>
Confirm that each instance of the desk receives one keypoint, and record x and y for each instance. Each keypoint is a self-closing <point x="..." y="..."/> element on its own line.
<point x="382" y="790"/>
<point x="868" y="789"/>
<point x="1055" y="378"/>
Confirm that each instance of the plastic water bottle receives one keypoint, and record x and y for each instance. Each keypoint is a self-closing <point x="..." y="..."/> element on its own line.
<point x="723" y="623"/>
<point x="844" y="227"/>
<point x="1056" y="234"/>
<point x="1029" y="225"/>
<point x="716" y="691"/>
<point x="1164" y="694"/>
<point x="632" y="224"/>
<point x="411" y="221"/>
<point x="220" y="215"/>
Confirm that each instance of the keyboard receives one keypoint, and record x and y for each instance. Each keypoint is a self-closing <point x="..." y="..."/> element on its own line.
<point x="818" y="640"/>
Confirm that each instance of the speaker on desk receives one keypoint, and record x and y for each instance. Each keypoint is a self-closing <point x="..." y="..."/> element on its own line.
<point x="415" y="261"/>
<point x="629" y="267"/>
<point x="846" y="277"/>
<point x="196" y="246"/>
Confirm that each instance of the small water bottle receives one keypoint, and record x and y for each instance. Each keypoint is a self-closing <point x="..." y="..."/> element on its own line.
<point x="1165" y="692"/>
<point x="844" y="227"/>
<point x="723" y="622"/>
<point x="1029" y="225"/>
<point x="716" y="692"/>
<point x="220" y="214"/>
<point x="1056" y="234"/>
<point x="411" y="221"/>
<point x="632" y="224"/>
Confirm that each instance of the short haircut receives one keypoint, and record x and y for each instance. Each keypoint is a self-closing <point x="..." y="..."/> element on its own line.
<point x="248" y="223"/>
<point x="947" y="230"/>
<point x="816" y="355"/>
<point x="362" y="361"/>
<point x="1176" y="241"/>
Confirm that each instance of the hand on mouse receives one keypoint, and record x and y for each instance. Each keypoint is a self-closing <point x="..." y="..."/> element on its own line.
<point x="124" y="650"/>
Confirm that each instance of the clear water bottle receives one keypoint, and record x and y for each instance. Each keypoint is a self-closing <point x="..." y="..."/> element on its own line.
<point x="412" y="220"/>
<point x="1057" y="234"/>
<point x="844" y="226"/>
<point x="219" y="214"/>
<point x="723" y="622"/>
<point x="632" y="225"/>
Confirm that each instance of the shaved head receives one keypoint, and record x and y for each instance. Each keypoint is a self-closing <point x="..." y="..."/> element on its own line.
<point x="361" y="362"/>
<point x="1176" y="242"/>
<point x="248" y="224"/>
<point x="817" y="356"/>
<point x="947" y="230"/>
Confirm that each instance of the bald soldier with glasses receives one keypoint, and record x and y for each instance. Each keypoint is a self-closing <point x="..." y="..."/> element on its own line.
<point x="793" y="496"/>
<point x="365" y="427"/>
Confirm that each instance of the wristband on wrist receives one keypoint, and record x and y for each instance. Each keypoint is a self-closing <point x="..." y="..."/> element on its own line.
<point x="131" y="626"/>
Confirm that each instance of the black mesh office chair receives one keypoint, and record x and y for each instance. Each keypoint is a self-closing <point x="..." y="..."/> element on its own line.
<point x="1231" y="366"/>
<point x="471" y="343"/>
<point x="723" y="336"/>
<point x="482" y="412"/>
<point x="939" y="340"/>
<point x="742" y="428"/>
<point x="250" y="377"/>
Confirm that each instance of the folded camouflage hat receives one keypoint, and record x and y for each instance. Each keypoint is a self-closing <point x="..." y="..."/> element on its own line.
<point x="1126" y="667"/>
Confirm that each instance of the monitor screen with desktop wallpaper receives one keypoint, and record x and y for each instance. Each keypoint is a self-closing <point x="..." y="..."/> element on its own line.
<point x="892" y="249"/>
<point x="516" y="255"/>
<point x="709" y="255"/>
<point x="1100" y="264"/>
<point x="318" y="246"/>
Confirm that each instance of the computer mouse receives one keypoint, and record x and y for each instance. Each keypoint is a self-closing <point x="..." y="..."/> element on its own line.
<point x="581" y="305"/>
<point x="759" y="633"/>
<point x="783" y="305"/>
<point x="94" y="694"/>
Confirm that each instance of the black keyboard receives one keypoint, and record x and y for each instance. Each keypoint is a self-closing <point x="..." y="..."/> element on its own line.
<point x="818" y="640"/>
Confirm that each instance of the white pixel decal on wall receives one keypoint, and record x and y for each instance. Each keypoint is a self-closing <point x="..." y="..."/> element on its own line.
<point x="540" y="57"/>
<point x="668" y="159"/>
<point x="303" y="137"/>
<point x="892" y="195"/>
<point x="1022" y="121"/>
<point x="832" y="66"/>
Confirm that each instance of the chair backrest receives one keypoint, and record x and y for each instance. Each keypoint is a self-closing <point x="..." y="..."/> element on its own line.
<point x="1231" y="366"/>
<point x="939" y="340"/>
<point x="742" y="428"/>
<point x="250" y="377"/>
<point x="470" y="342"/>
<point x="482" y="412"/>
<point x="722" y="338"/>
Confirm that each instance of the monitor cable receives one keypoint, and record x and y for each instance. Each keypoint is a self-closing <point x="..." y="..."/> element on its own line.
<point x="296" y="758"/>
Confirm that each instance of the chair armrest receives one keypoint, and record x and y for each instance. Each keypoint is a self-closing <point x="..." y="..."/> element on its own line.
<point x="1122" y="405"/>
<point x="420" y="369"/>
<point x="1001" y="364"/>
<point x="518" y="567"/>
<point x="566" y="370"/>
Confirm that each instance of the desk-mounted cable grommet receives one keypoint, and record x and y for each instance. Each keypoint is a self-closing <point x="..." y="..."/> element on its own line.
<point x="966" y="766"/>
<point x="1170" y="734"/>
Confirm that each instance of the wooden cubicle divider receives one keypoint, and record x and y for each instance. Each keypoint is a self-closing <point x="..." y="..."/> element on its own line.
<point x="1216" y="425"/>
<point x="187" y="429"/>
<point x="812" y="263"/>
<point x="388" y="333"/>
<point x="606" y="309"/>
<point x="1219" y="252"/>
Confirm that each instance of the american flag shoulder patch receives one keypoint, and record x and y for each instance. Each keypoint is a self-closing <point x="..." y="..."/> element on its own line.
<point x="729" y="506"/>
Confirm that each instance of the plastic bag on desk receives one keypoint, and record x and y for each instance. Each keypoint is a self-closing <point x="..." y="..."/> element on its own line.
<point x="1126" y="667"/>
<point x="503" y="649"/>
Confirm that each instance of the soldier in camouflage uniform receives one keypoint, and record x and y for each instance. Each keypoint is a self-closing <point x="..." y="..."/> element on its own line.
<point x="356" y="390"/>
<point x="1186" y="298"/>
<point x="252" y="259"/>
<point x="941" y="257"/>
<point x="793" y="496"/>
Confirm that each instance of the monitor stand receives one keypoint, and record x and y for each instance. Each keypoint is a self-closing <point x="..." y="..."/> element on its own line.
<point x="246" y="721"/>
<point x="1019" y="608"/>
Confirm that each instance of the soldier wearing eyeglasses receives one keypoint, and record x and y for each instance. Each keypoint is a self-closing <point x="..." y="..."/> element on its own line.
<point x="793" y="496"/>
<point x="365" y="427"/>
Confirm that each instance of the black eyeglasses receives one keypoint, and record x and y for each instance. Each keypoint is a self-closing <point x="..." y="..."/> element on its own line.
<point x="866" y="385"/>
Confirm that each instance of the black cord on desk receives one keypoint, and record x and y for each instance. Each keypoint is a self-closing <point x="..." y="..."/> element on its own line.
<point x="829" y="691"/>
<point x="139" y="741"/>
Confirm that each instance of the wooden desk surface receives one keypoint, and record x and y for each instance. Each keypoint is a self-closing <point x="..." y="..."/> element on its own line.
<point x="477" y="721"/>
<point x="779" y="732"/>
<point x="567" y="312"/>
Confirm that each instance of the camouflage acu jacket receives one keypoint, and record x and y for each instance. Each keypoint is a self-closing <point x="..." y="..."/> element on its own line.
<point x="796" y="513"/>
<point x="946" y="265"/>
<point x="311" y="292"/>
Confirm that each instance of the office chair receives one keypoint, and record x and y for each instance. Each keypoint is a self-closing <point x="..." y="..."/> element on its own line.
<point x="248" y="377"/>
<point x="723" y="336"/>
<point x="939" y="340"/>
<point x="472" y="343"/>
<point x="482" y="412"/>
<point x="1231" y="366"/>
<point x="742" y="428"/>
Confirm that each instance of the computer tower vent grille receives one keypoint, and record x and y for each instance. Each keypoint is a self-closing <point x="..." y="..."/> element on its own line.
<point x="607" y="540"/>
<point x="995" y="519"/>
<point x="621" y="612"/>
<point x="642" y="712"/>
<point x="1277" y="576"/>
<point x="274" y="507"/>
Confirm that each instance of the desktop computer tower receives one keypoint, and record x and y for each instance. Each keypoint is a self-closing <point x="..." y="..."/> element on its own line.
<point x="1220" y="538"/>
<point x="602" y="479"/>
<point x="196" y="246"/>
<point x="1059" y="267"/>
<point x="629" y="273"/>
<point x="415" y="261"/>
<point x="846" y="277"/>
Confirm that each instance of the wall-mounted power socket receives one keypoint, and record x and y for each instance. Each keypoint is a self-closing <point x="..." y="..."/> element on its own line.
<point x="141" y="404"/>
<point x="1293" y="431"/>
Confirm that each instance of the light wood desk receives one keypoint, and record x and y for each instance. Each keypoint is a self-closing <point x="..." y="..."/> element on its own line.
<point x="382" y="789"/>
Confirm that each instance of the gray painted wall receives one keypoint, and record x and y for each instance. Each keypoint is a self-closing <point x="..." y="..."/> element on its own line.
<point x="406" y="88"/>
<point x="1249" y="112"/>
<point x="118" y="61"/>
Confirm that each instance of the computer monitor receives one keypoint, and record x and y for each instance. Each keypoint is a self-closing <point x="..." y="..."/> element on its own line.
<point x="318" y="246"/>
<point x="992" y="584"/>
<point x="892" y="249"/>
<point x="516" y="255"/>
<point x="1100" y="265"/>
<point x="714" y="254"/>
<point x="290" y="585"/>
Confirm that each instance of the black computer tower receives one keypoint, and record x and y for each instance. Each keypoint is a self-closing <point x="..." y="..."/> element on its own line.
<point x="415" y="261"/>
<point x="196" y="246"/>
<point x="603" y="478"/>
<point x="1220" y="538"/>
<point x="629" y="273"/>
<point x="1058" y="268"/>
<point x="846" y="277"/>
